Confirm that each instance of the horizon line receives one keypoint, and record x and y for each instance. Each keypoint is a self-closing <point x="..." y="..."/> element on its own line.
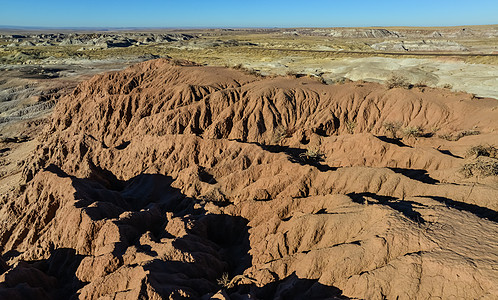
<point x="18" y="27"/>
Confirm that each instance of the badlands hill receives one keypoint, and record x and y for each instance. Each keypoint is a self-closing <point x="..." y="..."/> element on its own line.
<point x="182" y="181"/>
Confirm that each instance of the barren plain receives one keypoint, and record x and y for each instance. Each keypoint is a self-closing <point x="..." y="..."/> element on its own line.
<point x="305" y="163"/>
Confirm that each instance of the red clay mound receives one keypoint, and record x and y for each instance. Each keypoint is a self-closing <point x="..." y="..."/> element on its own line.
<point x="165" y="181"/>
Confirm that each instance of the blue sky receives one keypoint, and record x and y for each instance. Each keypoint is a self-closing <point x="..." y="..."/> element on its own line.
<point x="255" y="13"/>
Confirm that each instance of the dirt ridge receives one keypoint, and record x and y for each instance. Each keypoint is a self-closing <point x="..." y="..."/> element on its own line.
<point x="171" y="176"/>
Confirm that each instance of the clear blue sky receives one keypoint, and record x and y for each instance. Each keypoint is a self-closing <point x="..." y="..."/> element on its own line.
<point x="251" y="13"/>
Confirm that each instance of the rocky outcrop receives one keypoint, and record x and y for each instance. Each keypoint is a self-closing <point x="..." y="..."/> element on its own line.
<point x="424" y="45"/>
<point x="100" y="40"/>
<point x="400" y="32"/>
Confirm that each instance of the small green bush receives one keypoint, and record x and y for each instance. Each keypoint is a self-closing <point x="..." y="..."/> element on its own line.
<point x="350" y="126"/>
<point x="413" y="131"/>
<point x="392" y="128"/>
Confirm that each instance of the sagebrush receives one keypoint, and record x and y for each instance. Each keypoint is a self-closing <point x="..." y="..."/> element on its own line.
<point x="482" y="150"/>
<point x="480" y="167"/>
<point x="392" y="128"/>
<point x="397" y="81"/>
<point x="413" y="131"/>
<point x="312" y="155"/>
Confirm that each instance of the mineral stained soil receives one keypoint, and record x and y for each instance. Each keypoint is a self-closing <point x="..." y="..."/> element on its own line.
<point x="172" y="180"/>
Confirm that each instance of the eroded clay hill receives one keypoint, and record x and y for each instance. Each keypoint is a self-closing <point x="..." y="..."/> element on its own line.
<point x="165" y="181"/>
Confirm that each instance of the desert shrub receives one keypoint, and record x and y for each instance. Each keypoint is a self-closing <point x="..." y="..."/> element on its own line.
<point x="461" y="134"/>
<point x="480" y="167"/>
<point x="413" y="131"/>
<point x="420" y="84"/>
<point x="447" y="136"/>
<point x="481" y="150"/>
<point x="312" y="155"/>
<point x="224" y="281"/>
<point x="342" y="80"/>
<point x="396" y="81"/>
<point x="291" y="73"/>
<point x="350" y="126"/>
<point x="447" y="86"/>
<point x="15" y="139"/>
<point x="392" y="128"/>
<point x="177" y="62"/>
<point x="318" y="78"/>
<point x="247" y="71"/>
<point x="253" y="72"/>
<point x="238" y="67"/>
<point x="7" y="140"/>
<point x="282" y="133"/>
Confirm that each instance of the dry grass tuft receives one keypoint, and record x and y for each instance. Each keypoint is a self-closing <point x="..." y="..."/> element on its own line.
<point x="350" y="126"/>
<point x="224" y="281"/>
